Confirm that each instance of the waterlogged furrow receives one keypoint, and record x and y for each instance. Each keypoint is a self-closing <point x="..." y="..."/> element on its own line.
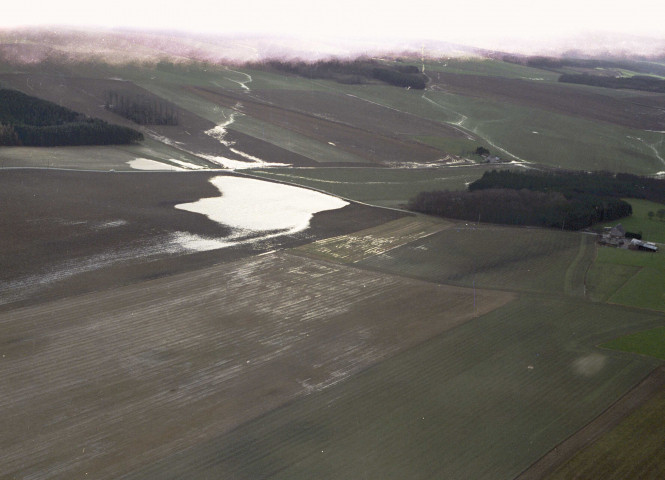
<point x="374" y="241"/>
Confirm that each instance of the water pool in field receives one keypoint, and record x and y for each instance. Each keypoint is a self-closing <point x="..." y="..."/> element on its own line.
<point x="256" y="210"/>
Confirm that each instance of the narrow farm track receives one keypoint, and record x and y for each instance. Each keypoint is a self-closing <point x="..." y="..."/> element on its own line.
<point x="104" y="383"/>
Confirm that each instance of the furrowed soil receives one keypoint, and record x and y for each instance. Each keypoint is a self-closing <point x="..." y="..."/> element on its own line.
<point x="67" y="232"/>
<point x="103" y="384"/>
<point x="483" y="400"/>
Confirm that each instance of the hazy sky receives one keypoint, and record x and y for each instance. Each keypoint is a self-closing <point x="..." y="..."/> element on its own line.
<point x="486" y="23"/>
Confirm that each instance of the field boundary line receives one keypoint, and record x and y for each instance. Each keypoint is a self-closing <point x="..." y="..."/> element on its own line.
<point x="586" y="272"/>
<point x="568" y="287"/>
<point x="623" y="285"/>
<point x="602" y="424"/>
<point x="443" y="227"/>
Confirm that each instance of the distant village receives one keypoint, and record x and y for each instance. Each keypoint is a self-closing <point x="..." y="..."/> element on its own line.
<point x="618" y="237"/>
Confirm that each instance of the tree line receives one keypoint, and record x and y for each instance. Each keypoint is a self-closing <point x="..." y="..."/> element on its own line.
<point x="30" y="121"/>
<point x="352" y="72"/>
<point x="569" y="201"/>
<point x="603" y="184"/>
<point x="557" y="63"/>
<point x="141" y="109"/>
<point x="637" y="82"/>
<point x="521" y="207"/>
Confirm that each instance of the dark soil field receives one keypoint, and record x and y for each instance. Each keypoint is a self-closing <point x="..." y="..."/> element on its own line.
<point x="566" y="99"/>
<point x="66" y="232"/>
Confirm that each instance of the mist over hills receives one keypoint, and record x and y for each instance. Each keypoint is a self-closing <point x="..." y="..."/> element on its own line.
<point x="33" y="45"/>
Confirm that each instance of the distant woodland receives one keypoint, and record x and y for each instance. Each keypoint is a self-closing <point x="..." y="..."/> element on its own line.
<point x="602" y="184"/>
<point x="637" y="82"/>
<point x="353" y="72"/>
<point x="141" y="109"/>
<point x="569" y="200"/>
<point x="556" y="64"/>
<point x="31" y="121"/>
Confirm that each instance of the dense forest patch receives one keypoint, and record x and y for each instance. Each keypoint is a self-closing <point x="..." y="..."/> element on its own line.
<point x="521" y="207"/>
<point x="141" y="109"/>
<point x="619" y="185"/>
<point x="568" y="200"/>
<point x="30" y="121"/>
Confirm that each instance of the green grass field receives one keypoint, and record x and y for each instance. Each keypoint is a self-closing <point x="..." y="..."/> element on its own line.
<point x="628" y="277"/>
<point x="554" y="139"/>
<point x="490" y="67"/>
<point x="482" y="401"/>
<point x="378" y="186"/>
<point x="633" y="449"/>
<point x="631" y="277"/>
<point x="650" y="342"/>
<point x="653" y="230"/>
<point x="564" y="141"/>
<point x="506" y="129"/>
<point x="457" y="146"/>
<point x="495" y="257"/>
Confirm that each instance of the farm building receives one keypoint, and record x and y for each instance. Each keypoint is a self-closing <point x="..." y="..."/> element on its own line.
<point x="636" y="244"/>
<point x="614" y="236"/>
<point x="493" y="159"/>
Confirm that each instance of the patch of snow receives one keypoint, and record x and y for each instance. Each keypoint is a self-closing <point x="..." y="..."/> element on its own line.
<point x="247" y="155"/>
<point x="243" y="84"/>
<point x="109" y="224"/>
<point x="239" y="164"/>
<point x="146" y="164"/>
<point x="256" y="210"/>
<point x="162" y="138"/>
<point x="219" y="132"/>
<point x="187" y="165"/>
<point x="197" y="243"/>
